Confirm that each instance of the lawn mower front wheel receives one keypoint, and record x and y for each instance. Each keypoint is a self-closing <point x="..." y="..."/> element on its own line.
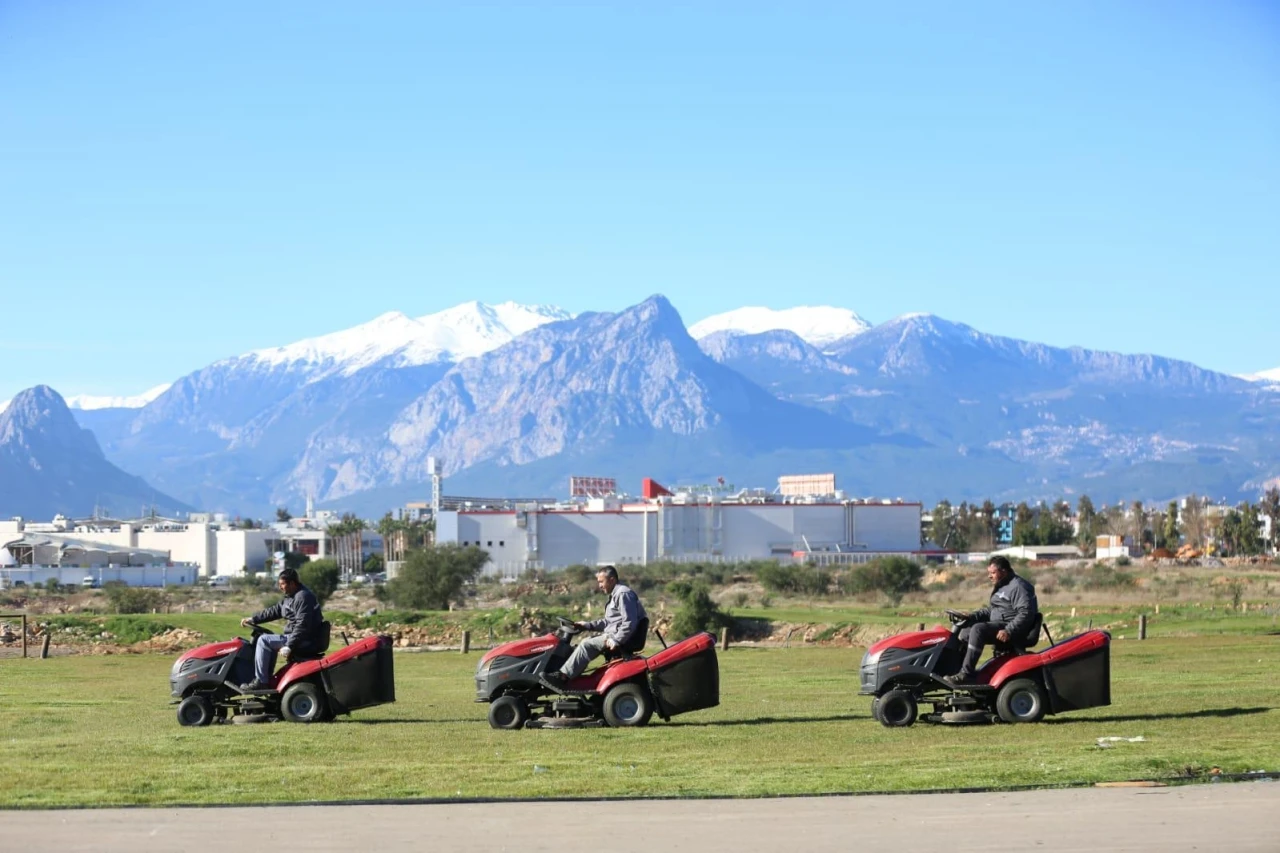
<point x="195" y="710"/>
<point x="896" y="709"/>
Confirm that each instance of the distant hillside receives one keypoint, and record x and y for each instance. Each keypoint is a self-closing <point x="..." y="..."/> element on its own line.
<point x="50" y="465"/>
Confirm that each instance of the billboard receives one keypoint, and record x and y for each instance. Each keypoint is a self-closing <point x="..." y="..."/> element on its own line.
<point x="800" y="485"/>
<point x="592" y="487"/>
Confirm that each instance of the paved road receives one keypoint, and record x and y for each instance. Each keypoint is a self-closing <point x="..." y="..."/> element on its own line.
<point x="1236" y="817"/>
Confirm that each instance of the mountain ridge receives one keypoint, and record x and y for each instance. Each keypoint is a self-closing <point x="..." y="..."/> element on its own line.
<point x="49" y="464"/>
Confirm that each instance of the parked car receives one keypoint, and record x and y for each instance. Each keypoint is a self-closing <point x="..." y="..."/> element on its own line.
<point x="220" y="581"/>
<point x="89" y="582"/>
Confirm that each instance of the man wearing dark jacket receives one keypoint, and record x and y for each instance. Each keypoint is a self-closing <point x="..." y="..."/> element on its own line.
<point x="1010" y="613"/>
<point x="301" y="612"/>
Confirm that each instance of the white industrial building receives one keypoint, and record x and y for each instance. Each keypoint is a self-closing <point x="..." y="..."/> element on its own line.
<point x="212" y="547"/>
<point x="684" y="528"/>
<point x="33" y="558"/>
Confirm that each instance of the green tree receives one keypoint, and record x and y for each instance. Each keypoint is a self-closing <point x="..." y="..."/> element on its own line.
<point x="283" y="514"/>
<point x="1250" y="539"/>
<point x="347" y="534"/>
<point x="321" y="577"/>
<point x="432" y="577"/>
<point x="940" y="526"/>
<point x="1171" y="526"/>
<point x="294" y="560"/>
<point x="1195" y="526"/>
<point x="982" y="527"/>
<point x="1086" y="520"/>
<point x="697" y="611"/>
<point x="1024" y="526"/>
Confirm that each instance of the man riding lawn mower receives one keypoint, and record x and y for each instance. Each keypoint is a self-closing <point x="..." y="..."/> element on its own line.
<point x="1016" y="686"/>
<point x="540" y="682"/>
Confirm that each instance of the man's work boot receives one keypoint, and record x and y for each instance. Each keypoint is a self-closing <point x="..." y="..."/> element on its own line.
<point x="252" y="686"/>
<point x="960" y="679"/>
<point x="557" y="679"/>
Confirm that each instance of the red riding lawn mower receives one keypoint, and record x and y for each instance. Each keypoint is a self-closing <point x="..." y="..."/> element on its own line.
<point x="626" y="691"/>
<point x="1016" y="686"/>
<point x="310" y="688"/>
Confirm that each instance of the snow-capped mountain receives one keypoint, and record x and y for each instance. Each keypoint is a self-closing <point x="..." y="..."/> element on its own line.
<point x="1272" y="375"/>
<point x="514" y="398"/>
<point x="88" y="402"/>
<point x="815" y="325"/>
<point x="396" y="340"/>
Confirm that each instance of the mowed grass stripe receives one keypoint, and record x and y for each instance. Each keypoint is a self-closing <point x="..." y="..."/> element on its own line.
<point x="100" y="731"/>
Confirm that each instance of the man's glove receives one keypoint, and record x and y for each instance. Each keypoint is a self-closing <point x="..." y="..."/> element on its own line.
<point x="247" y="622"/>
<point x="285" y="651"/>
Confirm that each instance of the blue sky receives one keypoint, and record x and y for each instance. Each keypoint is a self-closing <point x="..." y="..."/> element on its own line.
<point x="181" y="182"/>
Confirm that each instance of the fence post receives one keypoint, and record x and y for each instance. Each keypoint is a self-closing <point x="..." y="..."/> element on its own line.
<point x="24" y="635"/>
<point x="466" y="642"/>
<point x="44" y="646"/>
<point x="1142" y="626"/>
<point x="724" y="638"/>
<point x="920" y="626"/>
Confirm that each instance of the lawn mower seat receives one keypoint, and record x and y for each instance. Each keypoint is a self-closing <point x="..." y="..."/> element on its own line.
<point x="1019" y="645"/>
<point x="322" y="645"/>
<point x="634" y="644"/>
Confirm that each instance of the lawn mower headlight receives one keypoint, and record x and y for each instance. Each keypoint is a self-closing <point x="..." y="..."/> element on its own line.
<point x="871" y="658"/>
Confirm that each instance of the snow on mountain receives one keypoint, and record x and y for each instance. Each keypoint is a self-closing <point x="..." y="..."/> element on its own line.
<point x="1272" y="375"/>
<point x="816" y="325"/>
<point x="87" y="402"/>
<point x="463" y="331"/>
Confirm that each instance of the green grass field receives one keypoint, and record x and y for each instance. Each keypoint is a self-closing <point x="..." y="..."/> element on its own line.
<point x="84" y="730"/>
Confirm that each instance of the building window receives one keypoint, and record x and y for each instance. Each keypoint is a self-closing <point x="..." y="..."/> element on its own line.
<point x="502" y="543"/>
<point x="489" y="544"/>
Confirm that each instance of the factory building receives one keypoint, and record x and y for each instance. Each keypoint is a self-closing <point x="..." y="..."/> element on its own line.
<point x="685" y="527"/>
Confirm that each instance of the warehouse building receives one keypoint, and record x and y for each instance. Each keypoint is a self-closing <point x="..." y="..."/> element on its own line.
<point x="685" y="527"/>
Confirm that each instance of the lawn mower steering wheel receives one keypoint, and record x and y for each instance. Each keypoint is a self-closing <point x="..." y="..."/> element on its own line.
<point x="957" y="616"/>
<point x="258" y="631"/>
<point x="567" y="626"/>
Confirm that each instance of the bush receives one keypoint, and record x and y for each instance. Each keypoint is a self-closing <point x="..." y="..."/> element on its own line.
<point x="132" y="599"/>
<point x="1102" y="576"/>
<point x="131" y="630"/>
<point x="432" y="577"/>
<point x="807" y="580"/>
<point x="579" y="574"/>
<point x="893" y="576"/>
<point x="697" y="612"/>
<point x="251" y="583"/>
<point x="321" y="577"/>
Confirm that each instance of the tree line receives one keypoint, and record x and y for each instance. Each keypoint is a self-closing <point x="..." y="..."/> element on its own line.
<point x="1235" y="532"/>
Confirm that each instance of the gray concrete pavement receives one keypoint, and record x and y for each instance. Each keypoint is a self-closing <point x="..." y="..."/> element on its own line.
<point x="1238" y="817"/>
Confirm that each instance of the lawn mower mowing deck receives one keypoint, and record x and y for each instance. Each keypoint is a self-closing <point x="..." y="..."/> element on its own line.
<point x="1015" y="686"/>
<point x="626" y="691"/>
<point x="205" y="682"/>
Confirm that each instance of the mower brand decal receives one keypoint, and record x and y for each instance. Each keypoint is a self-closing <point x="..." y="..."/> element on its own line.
<point x="933" y="642"/>
<point x="536" y="649"/>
